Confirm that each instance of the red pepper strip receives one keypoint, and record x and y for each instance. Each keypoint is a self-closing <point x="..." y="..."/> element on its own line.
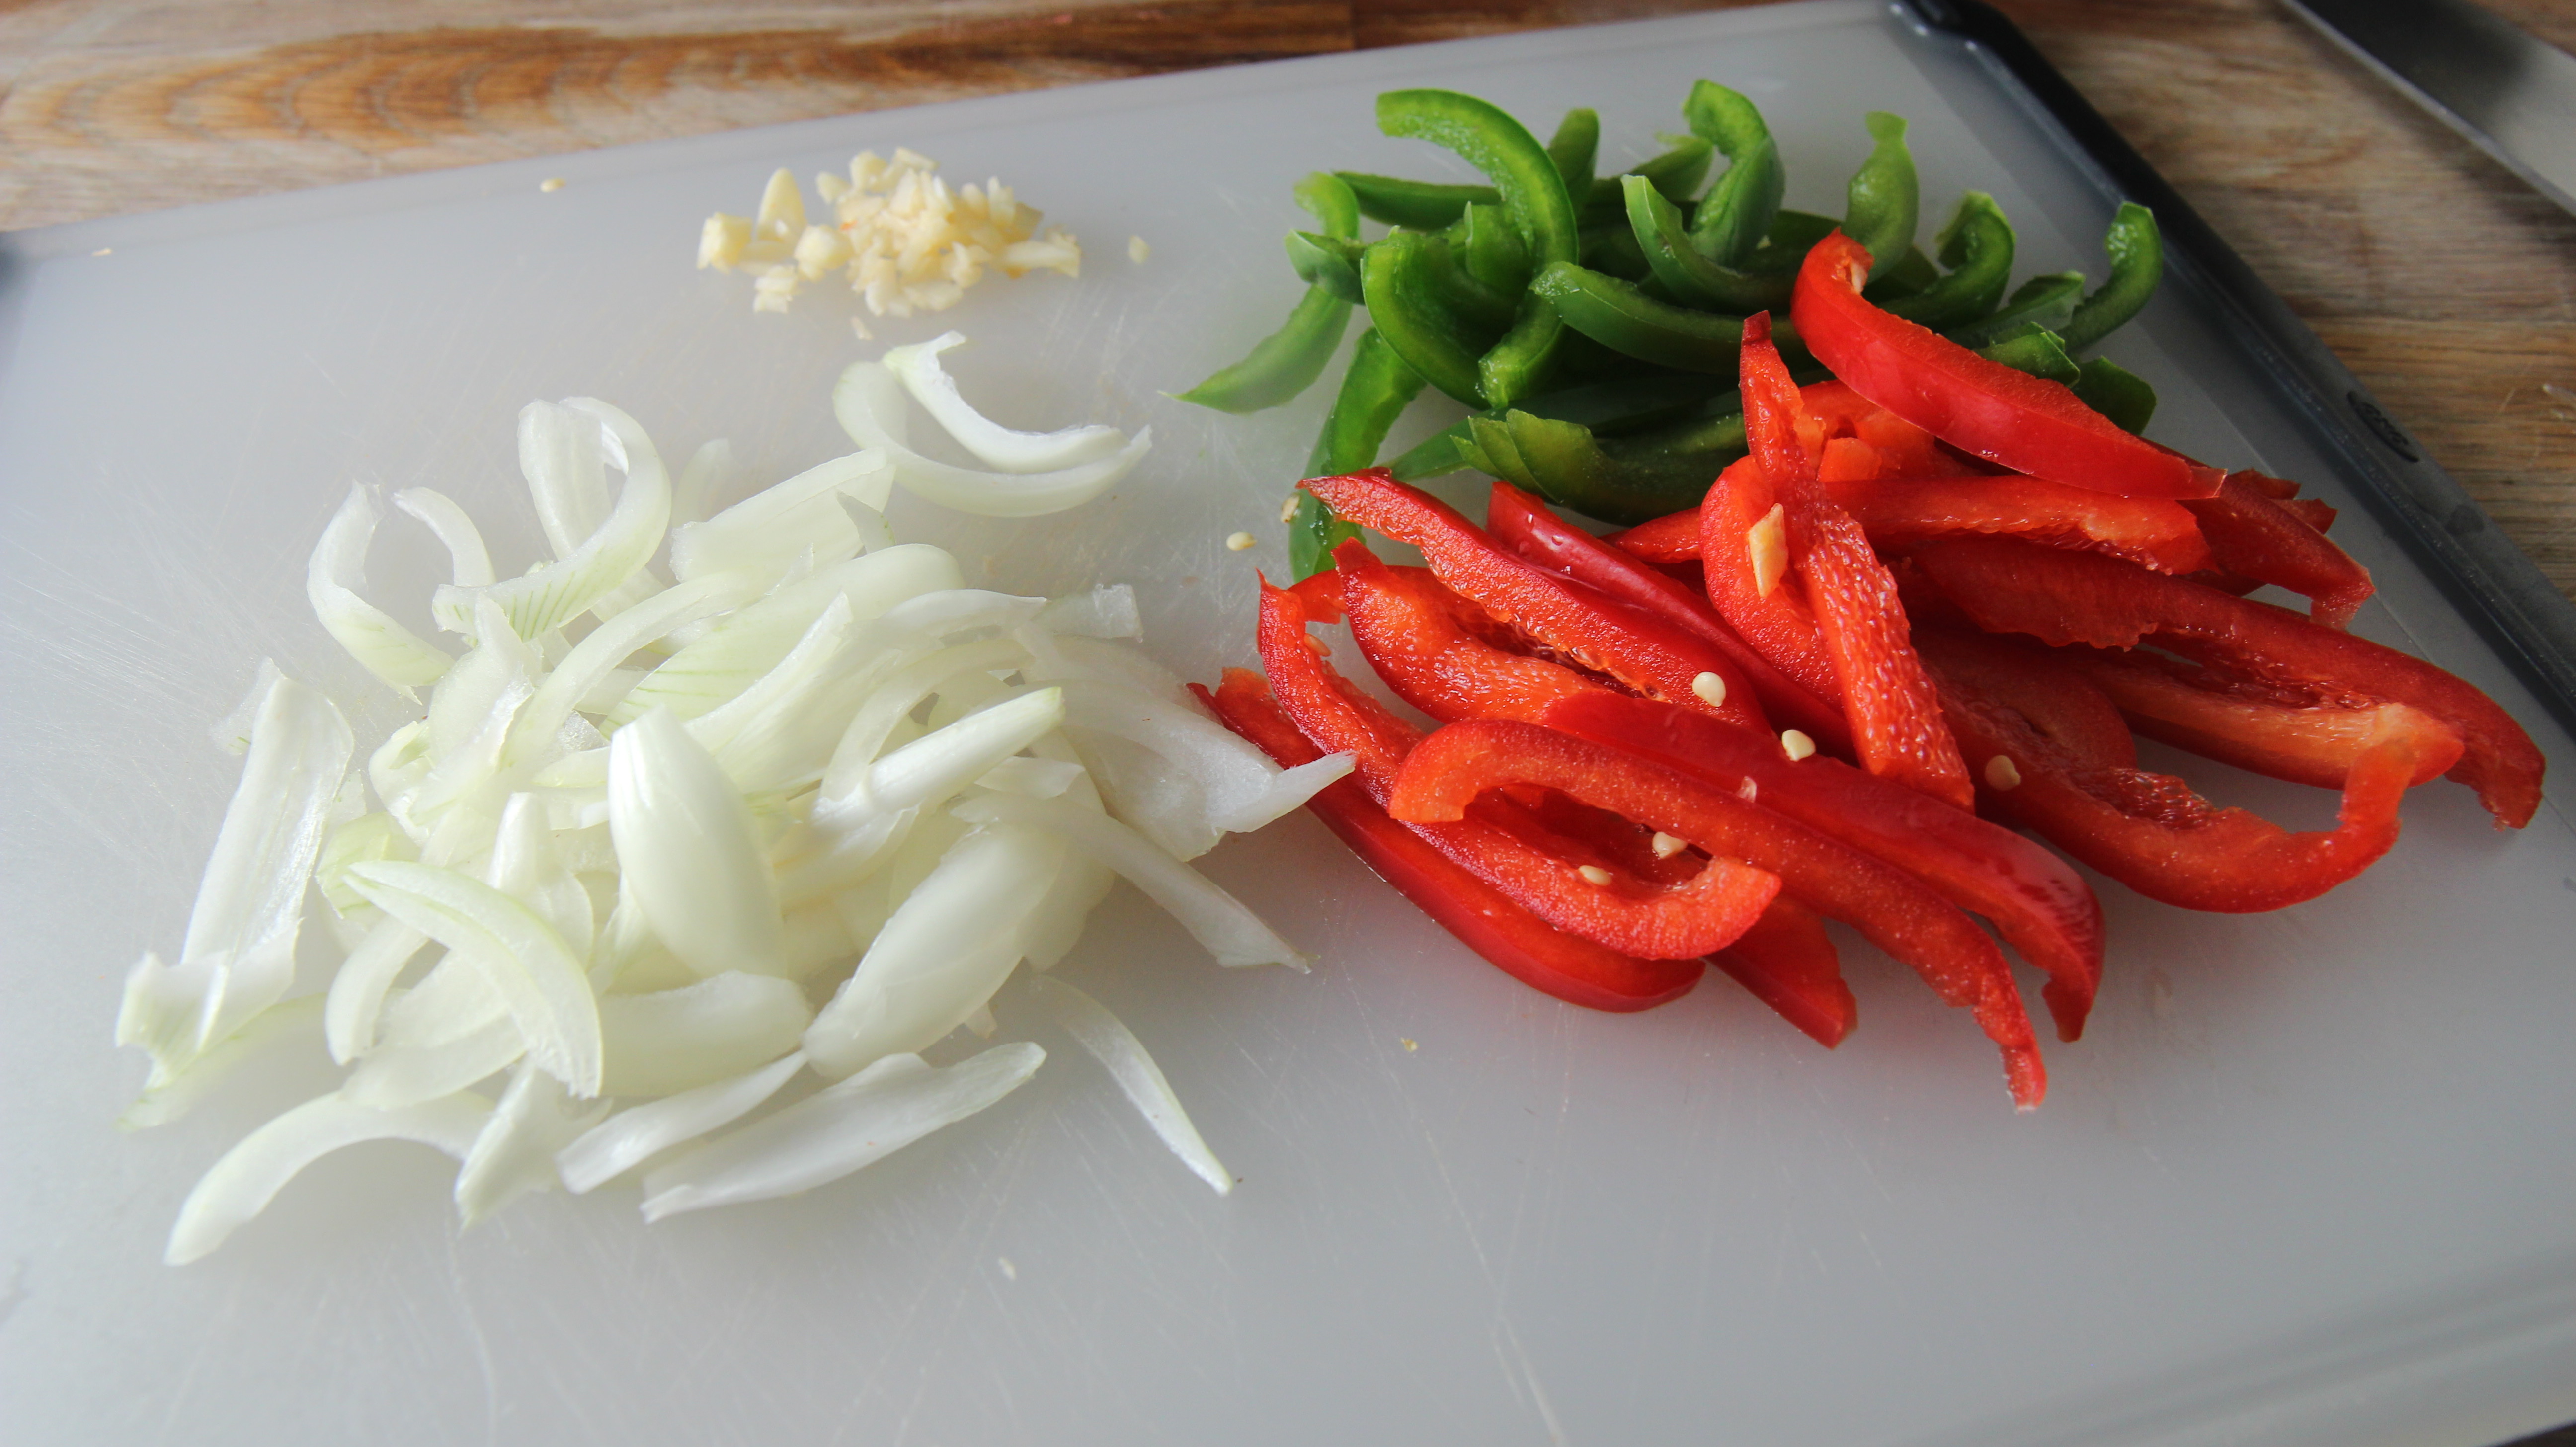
<point x="2026" y="423"/>
<point x="1531" y="529"/>
<point x="1903" y="449"/>
<point x="1779" y="624"/>
<point x="2253" y="536"/>
<point x="2152" y="833"/>
<point x="1892" y="909"/>
<point x="2059" y="597"/>
<point x="2240" y="722"/>
<point x="1428" y="644"/>
<point x="2036" y="900"/>
<point x="2315" y="512"/>
<point x="1901" y="512"/>
<point x="1537" y="869"/>
<point x="1788" y="962"/>
<point x="1637" y="650"/>
<point x="1895" y="716"/>
<point x="1515" y="941"/>
<point x="1672" y="538"/>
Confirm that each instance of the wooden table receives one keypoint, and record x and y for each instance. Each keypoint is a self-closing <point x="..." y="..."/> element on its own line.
<point x="2443" y="281"/>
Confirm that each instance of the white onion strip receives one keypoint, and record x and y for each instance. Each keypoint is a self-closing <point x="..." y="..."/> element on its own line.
<point x="469" y="562"/>
<point x="631" y="1137"/>
<point x="331" y="580"/>
<point x="1216" y="919"/>
<point x="357" y="994"/>
<point x="239" y="952"/>
<point x="837" y="1130"/>
<point x="1123" y="1055"/>
<point x="868" y="393"/>
<point x="672" y="1041"/>
<point x="918" y="368"/>
<point x="563" y="590"/>
<point x="249" y="1176"/>
<point x="519" y="953"/>
<point x="776" y="522"/>
<point x="690" y="850"/>
<point x="515" y="1152"/>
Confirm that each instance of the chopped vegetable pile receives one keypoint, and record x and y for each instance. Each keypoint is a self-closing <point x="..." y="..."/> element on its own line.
<point x="662" y="848"/>
<point x="1913" y="576"/>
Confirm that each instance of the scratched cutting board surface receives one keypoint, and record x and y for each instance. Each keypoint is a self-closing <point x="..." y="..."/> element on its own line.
<point x="2305" y="1179"/>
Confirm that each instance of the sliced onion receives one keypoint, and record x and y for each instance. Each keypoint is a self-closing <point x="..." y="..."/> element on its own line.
<point x="357" y="994"/>
<point x="932" y="768"/>
<point x="566" y="471"/>
<point x="1102" y="612"/>
<point x="677" y="1040"/>
<point x="1216" y="919"/>
<point x="249" y="1176"/>
<point x="394" y="1075"/>
<point x="519" y="953"/>
<point x="951" y="943"/>
<point x="701" y="478"/>
<point x="287" y="1020"/>
<point x="611" y="643"/>
<point x="515" y="1152"/>
<point x="239" y="952"/>
<point x="918" y="368"/>
<point x="1139" y="1078"/>
<point x="837" y="1130"/>
<point x="773" y="525"/>
<point x="633" y="1136"/>
<point x="563" y="590"/>
<point x="690" y="850"/>
<point x="469" y="563"/>
<point x="331" y="580"/>
<point x="750" y="642"/>
<point x="868" y="394"/>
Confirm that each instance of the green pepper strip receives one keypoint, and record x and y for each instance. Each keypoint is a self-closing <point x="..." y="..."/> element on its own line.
<point x="2116" y="393"/>
<point x="2043" y="303"/>
<point x="1422" y="205"/>
<point x="1675" y="175"/>
<point x="1330" y="262"/>
<point x="1621" y="317"/>
<point x="1977" y="246"/>
<point x="2137" y="254"/>
<point x="1534" y="201"/>
<point x="1883" y="198"/>
<point x="1574" y="147"/>
<point x="1609" y="409"/>
<point x="1691" y="277"/>
<point x="1289" y="360"/>
<point x="1738" y="211"/>
<point x="1375" y="392"/>
<point x="2040" y="353"/>
<point x="1431" y="312"/>
<point x="1613" y="251"/>
<point x="1793" y="234"/>
<point x="1624" y="481"/>
<point x="1490" y="249"/>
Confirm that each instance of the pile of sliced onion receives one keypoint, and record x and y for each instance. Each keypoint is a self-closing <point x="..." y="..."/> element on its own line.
<point x="662" y="848"/>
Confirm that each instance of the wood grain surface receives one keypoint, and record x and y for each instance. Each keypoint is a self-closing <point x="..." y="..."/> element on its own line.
<point x="2443" y="281"/>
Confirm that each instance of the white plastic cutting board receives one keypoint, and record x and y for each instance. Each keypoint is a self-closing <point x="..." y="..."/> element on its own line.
<point x="2307" y="1179"/>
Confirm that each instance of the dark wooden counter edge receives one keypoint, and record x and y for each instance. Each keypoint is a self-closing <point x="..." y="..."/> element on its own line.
<point x="2498" y="586"/>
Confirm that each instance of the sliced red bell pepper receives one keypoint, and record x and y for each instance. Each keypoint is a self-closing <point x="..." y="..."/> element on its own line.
<point x="2255" y="535"/>
<point x="1789" y="963"/>
<point x="1901" y="512"/>
<point x="1515" y="941"/>
<point x="1569" y="886"/>
<point x="2025" y="423"/>
<point x="1776" y="620"/>
<point x="1531" y="529"/>
<point x="2009" y="586"/>
<point x="2150" y="831"/>
<point x="1894" y="715"/>
<point x="2237" y="720"/>
<point x="1443" y="776"/>
<point x="2036" y="900"/>
<point x="1672" y="538"/>
<point x="1640" y="651"/>
<point x="1430" y="645"/>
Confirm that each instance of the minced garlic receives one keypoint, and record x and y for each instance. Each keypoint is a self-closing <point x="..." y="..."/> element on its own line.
<point x="906" y="240"/>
